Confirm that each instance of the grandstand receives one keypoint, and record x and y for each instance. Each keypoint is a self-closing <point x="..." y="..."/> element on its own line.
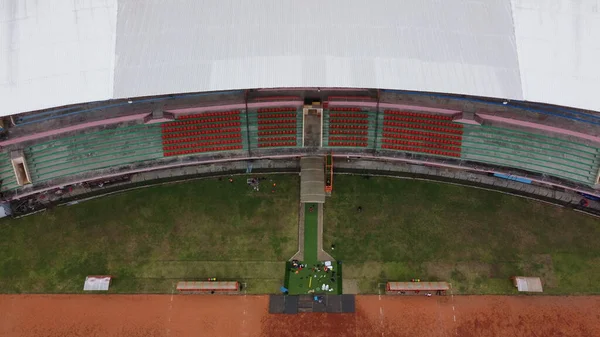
<point x="68" y="156"/>
<point x="532" y="152"/>
<point x="134" y="97"/>
<point x="205" y="131"/>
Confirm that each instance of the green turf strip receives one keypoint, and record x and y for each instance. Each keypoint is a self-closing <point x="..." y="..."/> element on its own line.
<point x="311" y="231"/>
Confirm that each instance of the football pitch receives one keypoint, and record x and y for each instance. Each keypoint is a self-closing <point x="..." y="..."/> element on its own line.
<point x="150" y="238"/>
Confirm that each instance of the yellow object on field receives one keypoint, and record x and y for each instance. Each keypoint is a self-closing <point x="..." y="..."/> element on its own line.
<point x="309" y="282"/>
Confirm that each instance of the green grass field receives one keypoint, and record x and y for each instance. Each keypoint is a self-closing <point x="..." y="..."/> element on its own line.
<point x="474" y="238"/>
<point x="152" y="237"/>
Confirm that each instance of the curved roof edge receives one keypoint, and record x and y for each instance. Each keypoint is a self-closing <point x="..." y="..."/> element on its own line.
<point x="74" y="52"/>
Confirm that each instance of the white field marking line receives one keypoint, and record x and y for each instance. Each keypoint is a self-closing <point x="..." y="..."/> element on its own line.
<point x="381" y="307"/>
<point x="381" y="318"/>
<point x="245" y="309"/>
<point x="170" y="310"/>
<point x="453" y="310"/>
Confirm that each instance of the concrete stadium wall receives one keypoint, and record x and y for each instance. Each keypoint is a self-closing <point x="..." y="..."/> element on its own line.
<point x="342" y="164"/>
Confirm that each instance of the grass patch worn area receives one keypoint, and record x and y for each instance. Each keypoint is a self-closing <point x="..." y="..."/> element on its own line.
<point x="474" y="238"/>
<point x="311" y="232"/>
<point x="151" y="238"/>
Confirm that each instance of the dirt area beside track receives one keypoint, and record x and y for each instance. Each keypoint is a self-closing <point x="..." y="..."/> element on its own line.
<point x="165" y="315"/>
<point x="131" y="316"/>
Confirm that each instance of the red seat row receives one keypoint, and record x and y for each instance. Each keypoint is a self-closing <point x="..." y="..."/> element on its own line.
<point x="334" y="115"/>
<point x="279" y="126"/>
<point x="192" y="145"/>
<point x="424" y="121"/>
<point x="427" y="139"/>
<point x="364" y="139"/>
<point x="345" y="126"/>
<point x="195" y="139"/>
<point x="343" y="108"/>
<point x="416" y="149"/>
<point x="278" y="132"/>
<point x="278" y="144"/>
<point x="202" y="126"/>
<point x="276" y="109"/>
<point x="349" y="121"/>
<point x="274" y="139"/>
<point x="210" y="114"/>
<point x="435" y="146"/>
<point x="204" y="149"/>
<point x="348" y="144"/>
<point x="277" y="121"/>
<point x="200" y="121"/>
<point x="426" y="127"/>
<point x="277" y="116"/>
<point x="417" y="114"/>
<point x="195" y="133"/>
<point x="347" y="132"/>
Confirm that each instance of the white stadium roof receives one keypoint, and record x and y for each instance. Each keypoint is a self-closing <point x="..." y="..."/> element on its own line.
<point x="61" y="52"/>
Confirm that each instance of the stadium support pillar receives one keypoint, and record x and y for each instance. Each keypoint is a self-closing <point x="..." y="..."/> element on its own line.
<point x="467" y="117"/>
<point x="17" y="158"/>
<point x="158" y="115"/>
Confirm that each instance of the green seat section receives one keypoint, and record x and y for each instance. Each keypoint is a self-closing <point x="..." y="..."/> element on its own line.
<point x="7" y="173"/>
<point x="90" y="151"/>
<point x="532" y="152"/>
